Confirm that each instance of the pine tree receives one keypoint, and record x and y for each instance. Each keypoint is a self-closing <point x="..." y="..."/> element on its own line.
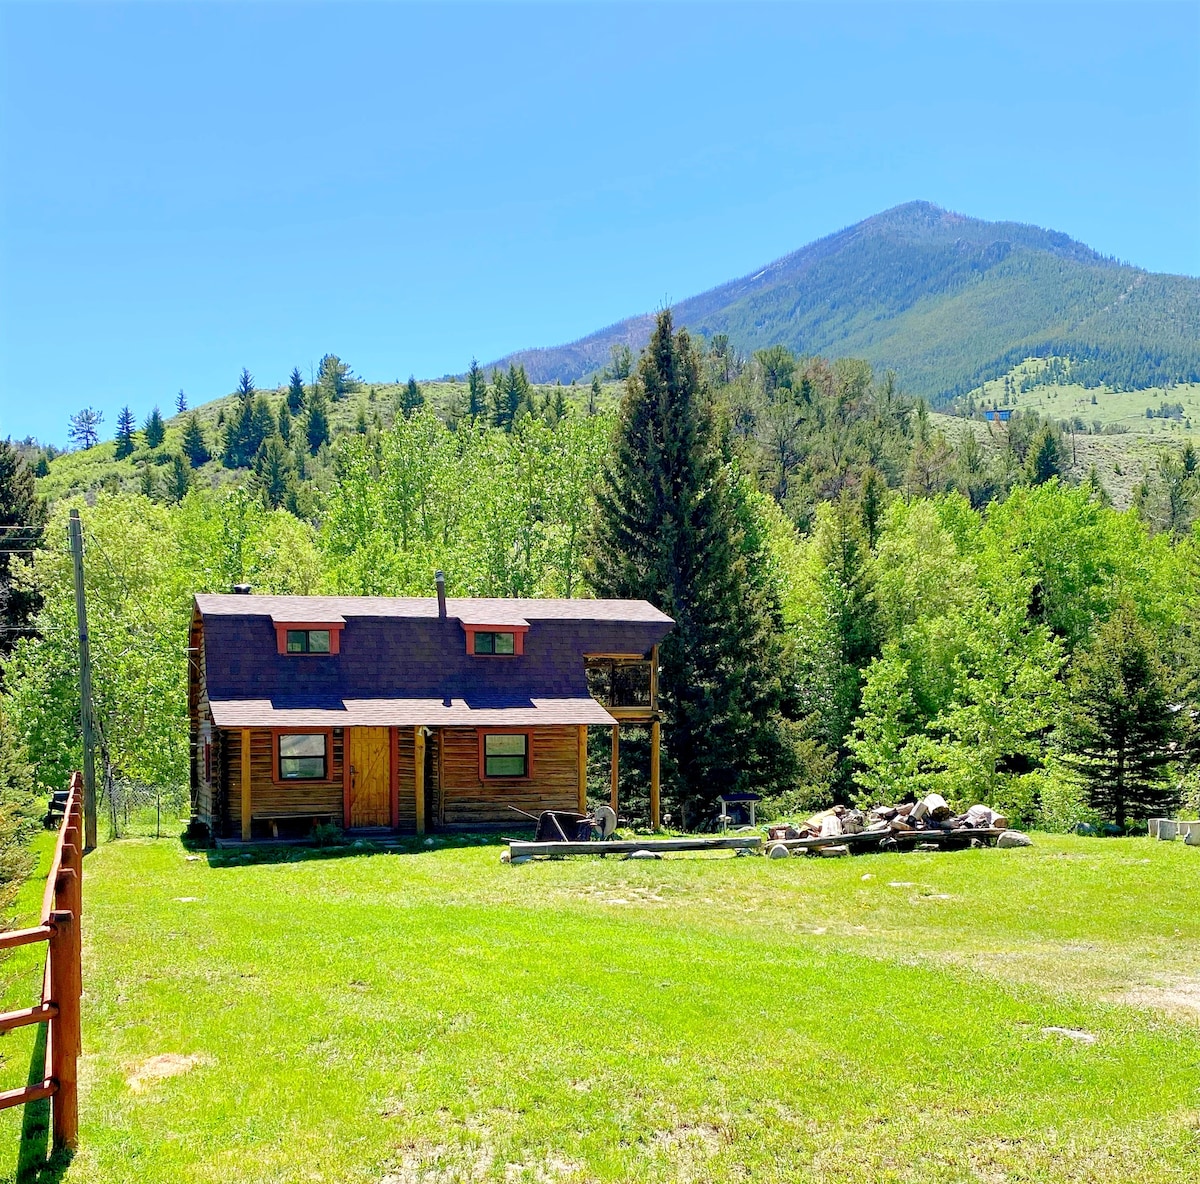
<point x="295" y="394"/>
<point x="181" y="402"/>
<point x="476" y="391"/>
<point x="594" y="396"/>
<point x="22" y="522"/>
<point x="285" y="422"/>
<point x="193" y="444"/>
<point x="146" y="482"/>
<point x="83" y="428"/>
<point x="273" y="478"/>
<point x="335" y="378"/>
<point x="126" y="426"/>
<point x="155" y="429"/>
<point x="245" y="386"/>
<point x="316" y="427"/>
<point x="262" y="426"/>
<point x="670" y="528"/>
<point x="411" y="398"/>
<point x="177" y="478"/>
<point x="1047" y="457"/>
<point x="360" y="419"/>
<point x="1118" y="732"/>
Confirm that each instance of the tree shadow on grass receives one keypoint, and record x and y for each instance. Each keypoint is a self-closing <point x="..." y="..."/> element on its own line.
<point x="248" y="855"/>
<point x="36" y="1163"/>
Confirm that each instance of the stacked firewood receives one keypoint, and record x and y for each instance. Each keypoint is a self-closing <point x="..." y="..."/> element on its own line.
<point x="929" y="818"/>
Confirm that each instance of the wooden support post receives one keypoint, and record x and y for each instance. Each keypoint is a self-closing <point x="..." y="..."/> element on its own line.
<point x="583" y="768"/>
<point x="394" y="777"/>
<point x="419" y="777"/>
<point x="654" y="782"/>
<point x="616" y="753"/>
<point x="85" y="684"/>
<point x="245" y="785"/>
<point x="65" y="991"/>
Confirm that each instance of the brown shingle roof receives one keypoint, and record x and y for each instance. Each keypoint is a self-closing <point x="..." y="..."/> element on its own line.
<point x="474" y="610"/>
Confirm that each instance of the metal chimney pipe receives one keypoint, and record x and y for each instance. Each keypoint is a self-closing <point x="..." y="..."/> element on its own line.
<point x="439" y="579"/>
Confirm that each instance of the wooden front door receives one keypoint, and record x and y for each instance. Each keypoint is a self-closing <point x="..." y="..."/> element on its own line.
<point x="370" y="777"/>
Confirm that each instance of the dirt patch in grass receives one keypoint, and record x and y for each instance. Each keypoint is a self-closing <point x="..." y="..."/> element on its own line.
<point x="1180" y="998"/>
<point x="167" y="1064"/>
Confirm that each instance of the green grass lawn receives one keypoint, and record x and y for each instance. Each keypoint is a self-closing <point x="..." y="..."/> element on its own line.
<point x="436" y="1016"/>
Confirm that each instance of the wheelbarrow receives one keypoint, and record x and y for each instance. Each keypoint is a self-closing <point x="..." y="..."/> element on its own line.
<point x="569" y="826"/>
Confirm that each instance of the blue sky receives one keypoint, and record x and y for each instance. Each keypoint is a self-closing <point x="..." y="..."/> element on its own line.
<point x="189" y="189"/>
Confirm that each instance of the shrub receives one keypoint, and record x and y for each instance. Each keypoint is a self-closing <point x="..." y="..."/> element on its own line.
<point x="327" y="834"/>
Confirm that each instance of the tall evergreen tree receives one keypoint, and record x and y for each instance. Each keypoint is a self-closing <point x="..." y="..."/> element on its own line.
<point x="670" y="528"/>
<point x="274" y="477"/>
<point x="181" y="402"/>
<point x="476" y="391"/>
<point x="156" y="430"/>
<point x="126" y="426"/>
<point x="316" y="426"/>
<point x="594" y="396"/>
<point x="1119" y="730"/>
<point x="295" y="393"/>
<point x="335" y="378"/>
<point x="177" y="478"/>
<point x="193" y="443"/>
<point x="411" y="398"/>
<point x="22" y="522"/>
<point x="285" y="422"/>
<point x="83" y="428"/>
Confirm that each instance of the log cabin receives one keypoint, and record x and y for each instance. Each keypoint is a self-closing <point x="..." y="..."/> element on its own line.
<point x="408" y="715"/>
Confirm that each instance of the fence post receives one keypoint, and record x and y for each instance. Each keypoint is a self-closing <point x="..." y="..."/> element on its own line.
<point x="66" y="987"/>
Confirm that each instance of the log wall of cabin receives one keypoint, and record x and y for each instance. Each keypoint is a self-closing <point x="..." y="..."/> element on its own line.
<point x="269" y="797"/>
<point x="466" y="800"/>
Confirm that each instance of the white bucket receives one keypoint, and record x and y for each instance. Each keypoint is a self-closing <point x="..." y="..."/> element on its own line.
<point x="1152" y="826"/>
<point x="1191" y="832"/>
<point x="1168" y="828"/>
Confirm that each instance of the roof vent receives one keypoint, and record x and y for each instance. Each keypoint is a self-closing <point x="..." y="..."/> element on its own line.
<point x="241" y="589"/>
<point x="439" y="578"/>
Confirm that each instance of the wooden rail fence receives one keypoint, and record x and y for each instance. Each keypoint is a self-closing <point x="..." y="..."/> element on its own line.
<point x="62" y="982"/>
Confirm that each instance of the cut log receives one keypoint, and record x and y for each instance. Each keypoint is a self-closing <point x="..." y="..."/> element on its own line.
<point x="937" y="806"/>
<point x="831" y="826"/>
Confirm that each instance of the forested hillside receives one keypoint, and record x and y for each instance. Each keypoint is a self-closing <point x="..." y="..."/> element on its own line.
<point x="921" y="601"/>
<point x="945" y="300"/>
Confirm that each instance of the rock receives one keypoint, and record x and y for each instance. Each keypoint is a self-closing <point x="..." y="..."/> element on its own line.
<point x="505" y="856"/>
<point x="833" y="852"/>
<point x="1014" y="838"/>
<point x="431" y="842"/>
<point x="866" y="876"/>
<point x="520" y="859"/>
<point x="777" y="851"/>
<point x="644" y="855"/>
<point x="1071" y="1034"/>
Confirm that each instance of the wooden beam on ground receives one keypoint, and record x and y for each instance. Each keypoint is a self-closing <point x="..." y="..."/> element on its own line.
<point x="246" y="784"/>
<point x="616" y="753"/>
<point x="583" y="768"/>
<point x="623" y="846"/>
<point x="419" y="777"/>
<point x="654" y="782"/>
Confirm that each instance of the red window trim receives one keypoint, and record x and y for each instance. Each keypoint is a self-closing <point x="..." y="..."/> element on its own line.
<point x="518" y="632"/>
<point x="335" y="636"/>
<point x="329" y="778"/>
<point x="526" y="732"/>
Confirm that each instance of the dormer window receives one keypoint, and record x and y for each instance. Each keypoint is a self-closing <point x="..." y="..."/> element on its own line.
<point x="319" y="638"/>
<point x="308" y="641"/>
<point x="486" y="639"/>
<point x="495" y="643"/>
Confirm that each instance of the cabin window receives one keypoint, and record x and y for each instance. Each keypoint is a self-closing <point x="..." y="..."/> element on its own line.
<point x="495" y="643"/>
<point x="303" y="757"/>
<point x="308" y="641"/>
<point x="506" y="754"/>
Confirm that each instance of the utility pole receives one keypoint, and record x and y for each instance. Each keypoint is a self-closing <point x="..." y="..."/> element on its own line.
<point x="85" y="687"/>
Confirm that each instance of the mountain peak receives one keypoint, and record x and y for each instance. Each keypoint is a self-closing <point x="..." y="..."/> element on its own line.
<point x="944" y="299"/>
